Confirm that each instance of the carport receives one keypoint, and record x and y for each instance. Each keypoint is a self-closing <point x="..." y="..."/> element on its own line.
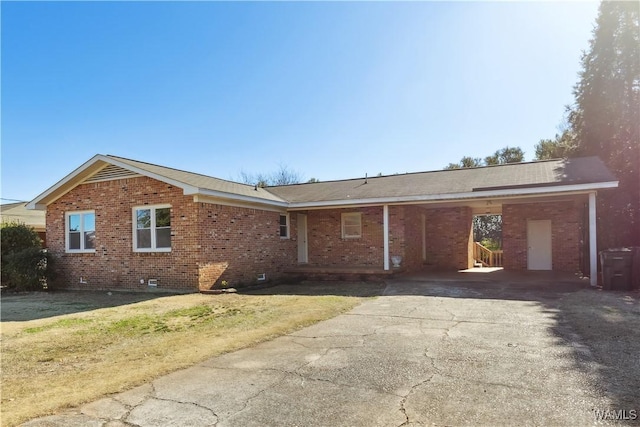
<point x="425" y="219"/>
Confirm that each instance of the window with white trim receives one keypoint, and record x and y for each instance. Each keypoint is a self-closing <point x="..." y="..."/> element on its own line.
<point x="284" y="226"/>
<point x="152" y="228"/>
<point x="81" y="231"/>
<point x="351" y="225"/>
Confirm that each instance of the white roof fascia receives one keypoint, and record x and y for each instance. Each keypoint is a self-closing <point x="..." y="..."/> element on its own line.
<point x="527" y="192"/>
<point x="239" y="197"/>
<point x="33" y="204"/>
<point x="188" y="189"/>
<point x="200" y="198"/>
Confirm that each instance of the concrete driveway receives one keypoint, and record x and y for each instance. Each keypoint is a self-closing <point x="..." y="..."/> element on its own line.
<point x="425" y="353"/>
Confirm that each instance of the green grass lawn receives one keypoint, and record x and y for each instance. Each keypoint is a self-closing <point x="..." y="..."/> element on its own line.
<point x="62" y="361"/>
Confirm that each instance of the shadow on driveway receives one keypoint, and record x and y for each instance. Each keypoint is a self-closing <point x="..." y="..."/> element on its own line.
<point x="601" y="328"/>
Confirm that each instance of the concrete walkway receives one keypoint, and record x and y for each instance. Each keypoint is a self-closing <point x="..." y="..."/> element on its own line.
<point x="422" y="354"/>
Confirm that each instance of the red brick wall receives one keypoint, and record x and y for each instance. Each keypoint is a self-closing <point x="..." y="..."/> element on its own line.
<point x="328" y="248"/>
<point x="449" y="237"/>
<point x="565" y="233"/>
<point x="240" y="243"/>
<point x="209" y="243"/>
<point x="405" y="235"/>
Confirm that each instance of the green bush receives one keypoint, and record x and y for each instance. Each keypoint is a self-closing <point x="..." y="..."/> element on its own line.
<point x="494" y="245"/>
<point x="25" y="265"/>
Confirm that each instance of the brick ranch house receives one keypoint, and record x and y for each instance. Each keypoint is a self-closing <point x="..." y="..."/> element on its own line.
<point x="117" y="223"/>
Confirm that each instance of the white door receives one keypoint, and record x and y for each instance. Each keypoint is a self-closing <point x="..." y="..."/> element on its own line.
<point x="539" y="245"/>
<point x="303" y="250"/>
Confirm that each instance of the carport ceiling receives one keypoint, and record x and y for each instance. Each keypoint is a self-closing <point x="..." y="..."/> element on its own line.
<point x="494" y="206"/>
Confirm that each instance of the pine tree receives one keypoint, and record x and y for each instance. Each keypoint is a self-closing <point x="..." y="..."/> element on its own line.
<point x="606" y="116"/>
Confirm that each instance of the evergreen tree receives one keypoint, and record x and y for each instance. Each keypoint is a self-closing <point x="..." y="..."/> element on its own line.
<point x="562" y="146"/>
<point x="606" y="116"/>
<point x="505" y="155"/>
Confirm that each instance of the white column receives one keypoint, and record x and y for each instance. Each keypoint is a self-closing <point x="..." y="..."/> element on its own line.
<point x="593" y="251"/>
<point x="385" y="231"/>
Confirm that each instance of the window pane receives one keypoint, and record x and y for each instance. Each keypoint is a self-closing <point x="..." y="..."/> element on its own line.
<point x="89" y="222"/>
<point x="74" y="222"/>
<point x="352" y="225"/>
<point x="284" y="229"/>
<point x="74" y="240"/>
<point x="144" y="238"/>
<point x="89" y="240"/>
<point x="352" y="220"/>
<point x="143" y="218"/>
<point x="163" y="217"/>
<point x="352" y="231"/>
<point x="163" y="237"/>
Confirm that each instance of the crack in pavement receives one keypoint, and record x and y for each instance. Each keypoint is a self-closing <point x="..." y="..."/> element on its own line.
<point x="403" y="402"/>
<point x="396" y="316"/>
<point x="315" y="348"/>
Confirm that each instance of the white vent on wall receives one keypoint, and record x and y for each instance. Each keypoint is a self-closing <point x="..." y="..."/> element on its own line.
<point x="109" y="173"/>
<point x="262" y="277"/>
<point x="153" y="283"/>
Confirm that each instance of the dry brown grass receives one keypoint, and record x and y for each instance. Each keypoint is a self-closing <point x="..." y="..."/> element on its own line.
<point x="64" y="361"/>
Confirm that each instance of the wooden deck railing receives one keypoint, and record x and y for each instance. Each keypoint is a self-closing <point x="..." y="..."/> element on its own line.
<point x="486" y="256"/>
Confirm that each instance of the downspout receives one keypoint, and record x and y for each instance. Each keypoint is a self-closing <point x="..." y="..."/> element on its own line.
<point x="593" y="251"/>
<point x="385" y="232"/>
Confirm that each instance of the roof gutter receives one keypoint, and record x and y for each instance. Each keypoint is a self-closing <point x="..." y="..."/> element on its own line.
<point x="236" y="197"/>
<point x="503" y="193"/>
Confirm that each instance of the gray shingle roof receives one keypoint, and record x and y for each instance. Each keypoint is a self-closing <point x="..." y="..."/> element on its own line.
<point x="578" y="174"/>
<point x="200" y="181"/>
<point x="584" y="170"/>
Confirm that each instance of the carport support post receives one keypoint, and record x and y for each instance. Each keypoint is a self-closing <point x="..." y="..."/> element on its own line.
<point x="593" y="252"/>
<point x="385" y="232"/>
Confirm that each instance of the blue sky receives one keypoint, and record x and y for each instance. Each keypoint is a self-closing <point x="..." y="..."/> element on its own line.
<point x="330" y="89"/>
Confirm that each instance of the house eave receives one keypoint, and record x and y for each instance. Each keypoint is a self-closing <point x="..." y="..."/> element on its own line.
<point x="90" y="167"/>
<point x="67" y="183"/>
<point x="237" y="198"/>
<point x="99" y="161"/>
<point x="432" y="198"/>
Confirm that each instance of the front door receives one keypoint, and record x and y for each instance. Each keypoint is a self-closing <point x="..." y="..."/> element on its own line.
<point x="539" y="245"/>
<point x="303" y="251"/>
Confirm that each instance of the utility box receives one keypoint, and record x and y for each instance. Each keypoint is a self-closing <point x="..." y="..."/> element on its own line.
<point x="617" y="267"/>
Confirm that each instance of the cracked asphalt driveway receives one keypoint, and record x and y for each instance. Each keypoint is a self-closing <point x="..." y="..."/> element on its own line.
<point x="421" y="354"/>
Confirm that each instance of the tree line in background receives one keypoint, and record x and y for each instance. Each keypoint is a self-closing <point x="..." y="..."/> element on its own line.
<point x="284" y="175"/>
<point x="604" y="121"/>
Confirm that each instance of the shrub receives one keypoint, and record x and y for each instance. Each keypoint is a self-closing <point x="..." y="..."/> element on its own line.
<point x="494" y="245"/>
<point x="25" y="265"/>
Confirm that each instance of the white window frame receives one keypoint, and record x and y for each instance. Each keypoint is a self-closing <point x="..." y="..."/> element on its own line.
<point x="153" y="247"/>
<point x="287" y="225"/>
<point x="343" y="219"/>
<point x="82" y="249"/>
